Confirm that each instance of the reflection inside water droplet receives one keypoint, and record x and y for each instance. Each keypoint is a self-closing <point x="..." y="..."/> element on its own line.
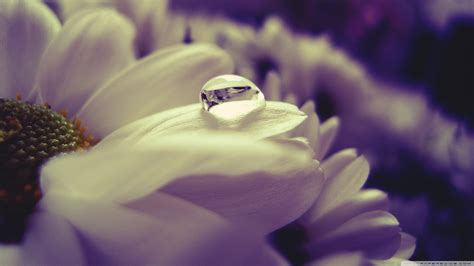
<point x="231" y="96"/>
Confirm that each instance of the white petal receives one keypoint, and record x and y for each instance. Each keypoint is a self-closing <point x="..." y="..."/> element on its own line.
<point x="348" y="182"/>
<point x="390" y="262"/>
<point x="143" y="13"/>
<point x="407" y="246"/>
<point x="139" y="12"/>
<point x="345" y="175"/>
<point x="301" y="143"/>
<point x="362" y="202"/>
<point x="158" y="234"/>
<point x="26" y="29"/>
<point x="310" y="127"/>
<point x="349" y="258"/>
<point x="10" y="255"/>
<point x="375" y="233"/>
<point x="333" y="165"/>
<point x="90" y="49"/>
<point x="291" y="98"/>
<point x="258" y="183"/>
<point x="171" y="77"/>
<point x="272" y="87"/>
<point x="274" y="258"/>
<point x="328" y="133"/>
<point x="51" y="240"/>
<point x="259" y="200"/>
<point x="275" y="35"/>
<point x="123" y="173"/>
<point x="67" y="8"/>
<point x="275" y="119"/>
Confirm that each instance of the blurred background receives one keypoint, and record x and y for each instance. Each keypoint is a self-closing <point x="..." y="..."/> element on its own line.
<point x="423" y="50"/>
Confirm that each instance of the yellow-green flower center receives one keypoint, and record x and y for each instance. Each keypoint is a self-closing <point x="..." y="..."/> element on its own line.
<point x="29" y="135"/>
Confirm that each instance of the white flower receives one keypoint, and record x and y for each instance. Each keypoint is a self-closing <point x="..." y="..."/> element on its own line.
<point x="130" y="199"/>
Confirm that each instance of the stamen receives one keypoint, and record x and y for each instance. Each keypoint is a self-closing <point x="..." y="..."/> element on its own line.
<point x="29" y="135"/>
<point x="63" y="113"/>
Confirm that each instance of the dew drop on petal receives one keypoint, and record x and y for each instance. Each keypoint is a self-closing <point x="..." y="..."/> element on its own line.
<point x="230" y="96"/>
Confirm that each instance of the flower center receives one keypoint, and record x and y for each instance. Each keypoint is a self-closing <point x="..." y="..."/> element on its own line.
<point x="29" y="135"/>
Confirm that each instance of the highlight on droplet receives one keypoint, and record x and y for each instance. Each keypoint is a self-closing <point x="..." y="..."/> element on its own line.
<point x="230" y="96"/>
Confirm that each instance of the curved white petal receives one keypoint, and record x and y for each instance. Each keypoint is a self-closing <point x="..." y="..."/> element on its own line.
<point x="407" y="246"/>
<point x="272" y="86"/>
<point x="346" y="184"/>
<point x="310" y="127"/>
<point x="301" y="143"/>
<point x="10" y="254"/>
<point x="275" y="119"/>
<point x="165" y="231"/>
<point x="153" y="163"/>
<point x="144" y="14"/>
<point x="291" y="98"/>
<point x="274" y="258"/>
<point x="265" y="201"/>
<point x="51" y="240"/>
<point x="336" y="163"/>
<point x="249" y="181"/>
<point x="375" y="233"/>
<point x="90" y="49"/>
<point x="389" y="262"/>
<point x="140" y="12"/>
<point x="275" y="35"/>
<point x="328" y="132"/>
<point x="169" y="78"/>
<point x="362" y="202"/>
<point x="345" y="175"/>
<point x="26" y="28"/>
<point x="67" y="9"/>
<point x="343" y="258"/>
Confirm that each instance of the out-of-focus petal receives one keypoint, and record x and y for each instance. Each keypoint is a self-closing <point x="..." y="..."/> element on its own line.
<point x="349" y="258"/>
<point x="275" y="119"/>
<point x="376" y="233"/>
<point x="51" y="240"/>
<point x="407" y="246"/>
<point x="272" y="86"/>
<point x="26" y="28"/>
<point x="139" y="12"/>
<point x="328" y="132"/>
<point x="275" y="34"/>
<point x="90" y="49"/>
<point x="291" y="98"/>
<point x="362" y="202"/>
<point x="172" y="77"/>
<point x="340" y="187"/>
<point x="167" y="30"/>
<point x="274" y="258"/>
<point x="10" y="254"/>
<point x="66" y="9"/>
<point x="143" y="14"/>
<point x="154" y="233"/>
<point x="390" y="262"/>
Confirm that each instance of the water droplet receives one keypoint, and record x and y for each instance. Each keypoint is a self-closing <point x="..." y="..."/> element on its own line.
<point x="230" y="96"/>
